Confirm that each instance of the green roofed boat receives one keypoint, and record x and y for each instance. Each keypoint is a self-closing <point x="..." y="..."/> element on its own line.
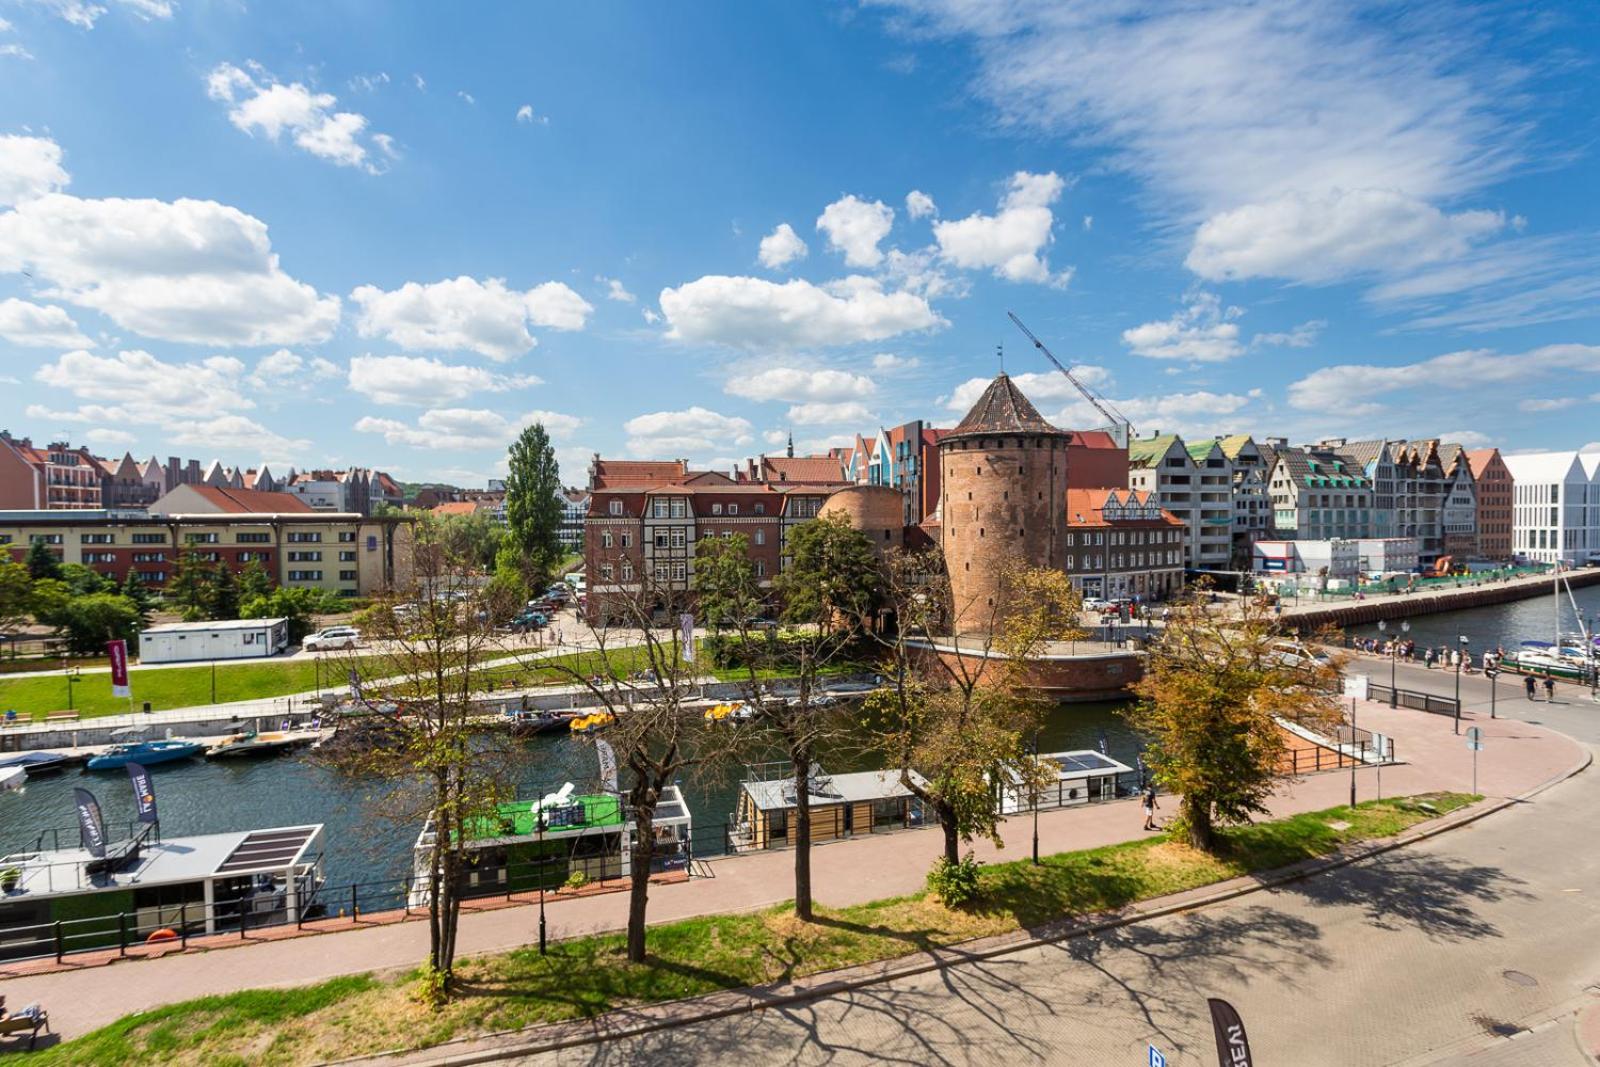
<point x="562" y="837"/>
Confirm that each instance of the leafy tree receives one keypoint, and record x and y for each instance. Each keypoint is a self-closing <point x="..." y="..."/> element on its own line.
<point x="441" y="765"/>
<point x="533" y="502"/>
<point x="16" y="595"/>
<point x="254" y="581"/>
<point x="477" y="538"/>
<point x="958" y="720"/>
<point x="88" y="622"/>
<point x="833" y="573"/>
<point x="222" y="592"/>
<point x="139" y="595"/>
<point x="727" y="592"/>
<point x="1213" y="692"/>
<point x="82" y="580"/>
<point x="188" y="588"/>
<point x="300" y="606"/>
<point x="42" y="562"/>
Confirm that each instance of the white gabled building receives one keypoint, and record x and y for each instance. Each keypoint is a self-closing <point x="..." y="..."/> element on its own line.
<point x="1555" y="506"/>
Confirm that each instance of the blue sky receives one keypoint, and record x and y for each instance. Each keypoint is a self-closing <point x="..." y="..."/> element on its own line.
<point x="390" y="235"/>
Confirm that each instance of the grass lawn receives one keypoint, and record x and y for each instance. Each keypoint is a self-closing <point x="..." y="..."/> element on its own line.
<point x="586" y="976"/>
<point x="176" y="687"/>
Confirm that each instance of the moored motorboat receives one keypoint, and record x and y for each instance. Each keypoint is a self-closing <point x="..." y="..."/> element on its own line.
<point x="236" y="746"/>
<point x="145" y="753"/>
<point x="35" y="764"/>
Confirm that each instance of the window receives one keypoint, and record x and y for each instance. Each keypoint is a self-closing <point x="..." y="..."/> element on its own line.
<point x="661" y="539"/>
<point x="149" y="538"/>
<point x="209" y="557"/>
<point x="200" y="538"/>
<point x="97" y="539"/>
<point x="627" y="539"/>
<point x="253" y="538"/>
<point x="680" y="572"/>
<point x="659" y="509"/>
<point x="761" y="537"/>
<point x="255" y="557"/>
<point x="761" y="509"/>
<point x="680" y="507"/>
<point x="152" y="557"/>
<point x="662" y="572"/>
<point x="99" y="557"/>
<point x="614" y="507"/>
<point x="305" y="576"/>
<point x="46" y="539"/>
<point x="677" y="537"/>
<point x="761" y="568"/>
<point x="347" y="557"/>
<point x="605" y="539"/>
<point x="347" y="576"/>
<point x="305" y="538"/>
<point x="152" y="576"/>
<point x="627" y="570"/>
<point x="716" y="509"/>
<point x="305" y="557"/>
<point x="733" y="509"/>
<point x="347" y="535"/>
<point x="605" y="572"/>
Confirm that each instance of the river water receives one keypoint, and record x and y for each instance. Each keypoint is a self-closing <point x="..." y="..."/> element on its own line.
<point x="361" y="845"/>
<point x="1501" y="625"/>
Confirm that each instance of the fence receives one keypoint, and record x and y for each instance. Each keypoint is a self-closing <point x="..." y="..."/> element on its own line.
<point x="1411" y="698"/>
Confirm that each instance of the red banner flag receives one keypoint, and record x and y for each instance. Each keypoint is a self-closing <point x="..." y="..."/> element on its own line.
<point x="118" y="651"/>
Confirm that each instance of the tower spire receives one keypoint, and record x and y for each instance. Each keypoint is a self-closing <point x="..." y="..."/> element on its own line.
<point x="791" y="444"/>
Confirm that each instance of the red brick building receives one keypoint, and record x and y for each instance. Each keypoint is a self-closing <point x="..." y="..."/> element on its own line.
<point x="47" y="479"/>
<point x="1120" y="543"/>
<point x="1494" y="486"/>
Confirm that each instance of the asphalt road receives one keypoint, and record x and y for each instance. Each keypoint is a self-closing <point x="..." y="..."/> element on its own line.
<point x="1435" y="953"/>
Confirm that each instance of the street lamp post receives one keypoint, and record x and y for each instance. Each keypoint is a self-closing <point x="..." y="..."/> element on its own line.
<point x="1460" y="661"/>
<point x="543" y="865"/>
<point x="1394" y="654"/>
<point x="1033" y="794"/>
<point x="1493" y="674"/>
<point x="72" y="674"/>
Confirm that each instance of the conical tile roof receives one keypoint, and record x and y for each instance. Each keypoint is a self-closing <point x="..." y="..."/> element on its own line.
<point x="1003" y="409"/>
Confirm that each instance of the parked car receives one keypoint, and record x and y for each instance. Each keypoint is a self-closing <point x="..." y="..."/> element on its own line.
<point x="331" y="639"/>
<point x="1295" y="654"/>
<point x="1095" y="603"/>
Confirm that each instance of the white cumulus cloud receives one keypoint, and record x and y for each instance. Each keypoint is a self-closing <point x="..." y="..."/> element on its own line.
<point x="919" y="205"/>
<point x="260" y="103"/>
<point x="820" y="413"/>
<point x="29" y="167"/>
<point x="753" y="313"/>
<point x="796" y="384"/>
<point x="854" y="227"/>
<point x="1203" y="331"/>
<point x="781" y="247"/>
<point x="465" y="314"/>
<point x="464" y="429"/>
<point x="672" y="434"/>
<point x="193" y="271"/>
<point x="39" y="326"/>
<point x="425" y="381"/>
<point x="1011" y="242"/>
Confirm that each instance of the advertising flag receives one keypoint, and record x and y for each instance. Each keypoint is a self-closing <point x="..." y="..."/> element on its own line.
<point x="608" y="766"/>
<point x="91" y="827"/>
<point x="1233" y="1048"/>
<point x="118" y="651"/>
<point x="144" y="792"/>
<point x="686" y="624"/>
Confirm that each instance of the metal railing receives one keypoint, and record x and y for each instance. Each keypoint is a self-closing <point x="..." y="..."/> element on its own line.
<point x="1414" y="699"/>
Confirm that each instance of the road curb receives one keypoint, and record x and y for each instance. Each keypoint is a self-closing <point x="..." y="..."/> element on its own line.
<point x="626" y="1022"/>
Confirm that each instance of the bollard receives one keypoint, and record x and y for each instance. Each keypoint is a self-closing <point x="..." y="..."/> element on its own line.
<point x="183" y="923"/>
<point x="122" y="933"/>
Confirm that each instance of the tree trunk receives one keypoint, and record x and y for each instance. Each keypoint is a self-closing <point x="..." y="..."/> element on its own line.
<point x="952" y="838"/>
<point x="1197" y="815"/>
<point x="644" y="847"/>
<point x="801" y="756"/>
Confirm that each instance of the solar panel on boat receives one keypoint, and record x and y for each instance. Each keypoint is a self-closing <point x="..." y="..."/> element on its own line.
<point x="266" y="848"/>
<point x="1084" y="761"/>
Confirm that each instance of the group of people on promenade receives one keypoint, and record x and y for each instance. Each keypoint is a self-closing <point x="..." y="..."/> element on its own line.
<point x="1450" y="659"/>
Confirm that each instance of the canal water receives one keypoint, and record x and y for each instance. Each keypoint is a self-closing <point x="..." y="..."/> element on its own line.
<point x="1500" y="625"/>
<point x="362" y="844"/>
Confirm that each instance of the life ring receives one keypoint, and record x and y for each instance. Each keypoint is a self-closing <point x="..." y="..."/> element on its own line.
<point x="163" y="934"/>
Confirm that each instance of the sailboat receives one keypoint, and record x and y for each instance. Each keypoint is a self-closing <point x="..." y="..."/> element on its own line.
<point x="1570" y="655"/>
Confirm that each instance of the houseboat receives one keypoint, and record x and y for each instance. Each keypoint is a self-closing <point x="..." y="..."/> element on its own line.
<point x="1078" y="778"/>
<point x="527" y="844"/>
<point x="842" y="805"/>
<point x="149" y="888"/>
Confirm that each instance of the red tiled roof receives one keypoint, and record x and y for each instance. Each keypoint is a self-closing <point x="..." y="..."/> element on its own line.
<point x="1479" y="459"/>
<point x="808" y="470"/>
<point x="1084" y="506"/>
<point x="625" y="473"/>
<point x="250" y="501"/>
<point x="1093" y="439"/>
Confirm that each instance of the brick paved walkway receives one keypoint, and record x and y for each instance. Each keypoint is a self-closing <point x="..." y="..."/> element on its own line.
<point x="1517" y="757"/>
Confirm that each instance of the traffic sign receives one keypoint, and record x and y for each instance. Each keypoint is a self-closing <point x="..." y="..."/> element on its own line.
<point x="1156" y="1058"/>
<point x="1475" y="739"/>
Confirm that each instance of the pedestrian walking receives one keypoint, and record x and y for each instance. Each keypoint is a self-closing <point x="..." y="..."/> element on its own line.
<point x="1428" y="659"/>
<point x="1150" y="807"/>
<point x="1549" y="688"/>
<point x="1527" y="681"/>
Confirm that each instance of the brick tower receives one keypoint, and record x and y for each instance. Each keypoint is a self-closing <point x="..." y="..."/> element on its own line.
<point x="1003" y="489"/>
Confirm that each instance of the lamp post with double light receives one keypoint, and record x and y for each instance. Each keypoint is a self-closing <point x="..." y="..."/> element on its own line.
<point x="1461" y="659"/>
<point x="1394" y="653"/>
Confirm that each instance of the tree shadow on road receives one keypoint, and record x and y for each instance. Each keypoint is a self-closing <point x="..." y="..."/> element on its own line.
<point x="1439" y="896"/>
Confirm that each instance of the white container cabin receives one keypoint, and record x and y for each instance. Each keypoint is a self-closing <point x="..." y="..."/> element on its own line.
<point x="222" y="639"/>
<point x="842" y="805"/>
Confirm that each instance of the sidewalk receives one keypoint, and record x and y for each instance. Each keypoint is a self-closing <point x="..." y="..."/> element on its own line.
<point x="1517" y="757"/>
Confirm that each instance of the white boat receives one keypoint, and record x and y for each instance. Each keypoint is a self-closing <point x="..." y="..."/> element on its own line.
<point x="11" y="779"/>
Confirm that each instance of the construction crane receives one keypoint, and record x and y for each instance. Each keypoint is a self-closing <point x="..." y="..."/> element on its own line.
<point x="1118" y="425"/>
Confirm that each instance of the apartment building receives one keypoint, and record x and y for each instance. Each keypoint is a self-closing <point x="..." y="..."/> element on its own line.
<point x="1162" y="466"/>
<point x="1493" y="487"/>
<point x="347" y="555"/>
<point x="1318" y="494"/>
<point x="1215" y="507"/>
<point x="574" y="512"/>
<point x="1555" y="507"/>
<point x="1252" y="504"/>
<point x="905" y="458"/>
<point x="1120" y="543"/>
<point x="1458" y="517"/>
<point x="55" y="476"/>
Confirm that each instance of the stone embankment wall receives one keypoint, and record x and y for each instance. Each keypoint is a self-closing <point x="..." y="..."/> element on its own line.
<point x="1358" y="612"/>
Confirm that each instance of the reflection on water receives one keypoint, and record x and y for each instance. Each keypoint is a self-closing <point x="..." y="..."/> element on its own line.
<point x="197" y="796"/>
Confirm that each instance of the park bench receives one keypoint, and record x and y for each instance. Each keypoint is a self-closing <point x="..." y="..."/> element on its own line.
<point x="29" y="1024"/>
<point x="61" y="716"/>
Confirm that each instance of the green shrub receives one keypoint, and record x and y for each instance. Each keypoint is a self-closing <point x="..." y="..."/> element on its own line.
<point x="955" y="884"/>
<point x="576" y="880"/>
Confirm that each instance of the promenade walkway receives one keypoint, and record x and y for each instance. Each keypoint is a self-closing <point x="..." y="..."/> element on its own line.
<point x="1517" y="757"/>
